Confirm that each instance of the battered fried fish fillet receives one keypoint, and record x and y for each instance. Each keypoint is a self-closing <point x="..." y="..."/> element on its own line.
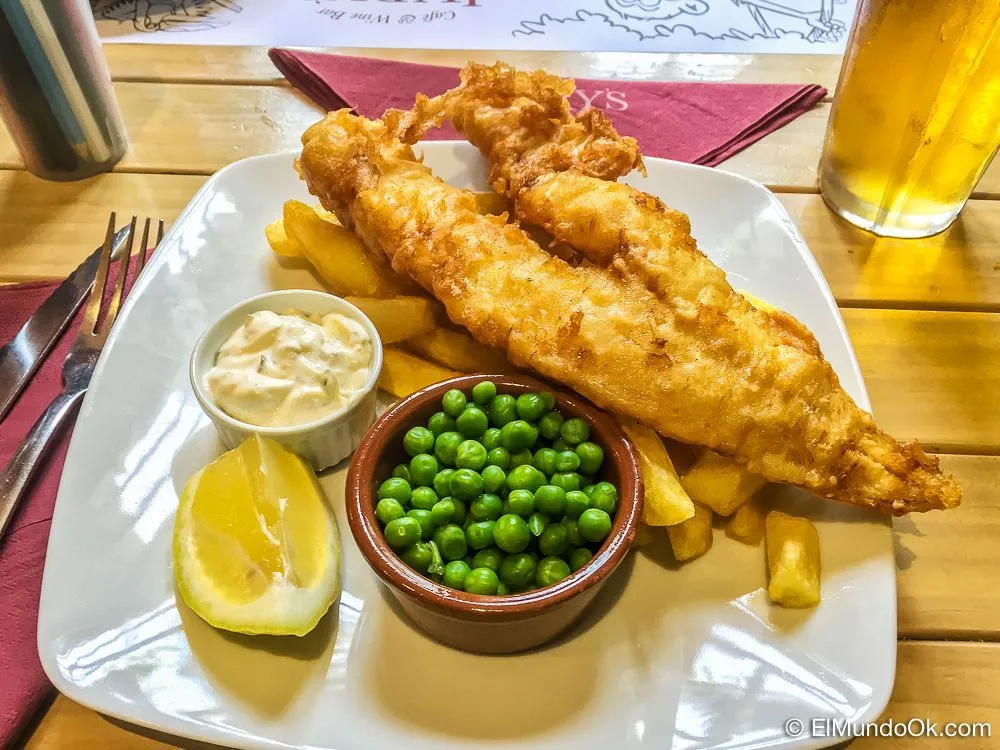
<point x="694" y="369"/>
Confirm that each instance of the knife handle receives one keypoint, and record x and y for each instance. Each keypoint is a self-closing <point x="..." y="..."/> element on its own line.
<point x="16" y="476"/>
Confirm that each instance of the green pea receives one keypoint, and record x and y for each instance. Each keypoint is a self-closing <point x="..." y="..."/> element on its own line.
<point x="481" y="581"/>
<point x="423" y="517"/>
<point x="453" y="402"/>
<point x="576" y="503"/>
<point x="396" y="488"/>
<point x="525" y="477"/>
<point x="550" y="424"/>
<point x="517" y="570"/>
<point x="459" y="516"/>
<point x="501" y="410"/>
<point x="389" y="509"/>
<point x="589" y="490"/>
<point x="604" y="497"/>
<point x="569" y="480"/>
<point x="442" y="512"/>
<point x="402" y="471"/>
<point x="573" y="532"/>
<point x="423" y="469"/>
<point x="472" y="422"/>
<point x="574" y="431"/>
<point x="551" y="500"/>
<point x="423" y="498"/>
<point x="594" y="524"/>
<point x="483" y="391"/>
<point x="441" y="482"/>
<point x="468" y="560"/>
<point x="498" y="457"/>
<point x="470" y="455"/>
<point x="494" y="478"/>
<point x="521" y="502"/>
<point x="440" y="422"/>
<point x="490" y="558"/>
<point x="567" y="461"/>
<point x="550" y="570"/>
<point x="537" y="523"/>
<point x="450" y="540"/>
<point x="446" y="445"/>
<point x="491" y="438"/>
<point x="436" y="569"/>
<point x="466" y="484"/>
<point x="591" y="457"/>
<point x="418" y="556"/>
<point x="479" y="535"/>
<point x="554" y="540"/>
<point x="418" y="440"/>
<point x="545" y="461"/>
<point x="579" y="557"/>
<point x="486" y="507"/>
<point x="454" y="574"/>
<point x="502" y="589"/>
<point x="402" y="532"/>
<point x="511" y="533"/>
<point x="531" y="406"/>
<point x="517" y="435"/>
<point x="521" y="458"/>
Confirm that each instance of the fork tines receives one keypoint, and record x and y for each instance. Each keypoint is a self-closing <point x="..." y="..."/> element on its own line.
<point x="93" y="323"/>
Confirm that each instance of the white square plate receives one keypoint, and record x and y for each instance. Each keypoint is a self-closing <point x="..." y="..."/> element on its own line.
<point x="682" y="657"/>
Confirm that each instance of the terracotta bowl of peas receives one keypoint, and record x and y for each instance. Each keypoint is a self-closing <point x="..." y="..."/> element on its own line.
<point x="494" y="508"/>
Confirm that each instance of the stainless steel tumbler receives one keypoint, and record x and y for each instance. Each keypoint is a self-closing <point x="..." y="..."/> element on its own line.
<point x="55" y="89"/>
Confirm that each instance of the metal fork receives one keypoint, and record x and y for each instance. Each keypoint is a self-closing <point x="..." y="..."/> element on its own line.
<point x="77" y="369"/>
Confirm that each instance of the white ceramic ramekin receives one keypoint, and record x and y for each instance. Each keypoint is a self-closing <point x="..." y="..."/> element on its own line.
<point x="327" y="440"/>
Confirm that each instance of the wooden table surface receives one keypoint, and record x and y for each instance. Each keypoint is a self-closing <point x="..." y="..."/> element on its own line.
<point x="924" y="316"/>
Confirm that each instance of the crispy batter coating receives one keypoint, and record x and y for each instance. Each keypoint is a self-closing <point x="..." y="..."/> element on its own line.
<point x="689" y="358"/>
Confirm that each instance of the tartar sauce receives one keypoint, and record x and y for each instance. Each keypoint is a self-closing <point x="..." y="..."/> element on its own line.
<point x="282" y="370"/>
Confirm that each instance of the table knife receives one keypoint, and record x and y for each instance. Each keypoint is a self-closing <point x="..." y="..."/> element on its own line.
<point x="21" y="357"/>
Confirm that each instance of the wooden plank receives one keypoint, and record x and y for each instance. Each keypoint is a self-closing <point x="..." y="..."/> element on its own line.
<point x="194" y="129"/>
<point x="242" y="65"/>
<point x="958" y="269"/>
<point x="47" y="228"/>
<point x="932" y="376"/>
<point x="941" y="682"/>
<point x="197" y="129"/>
<point x="947" y="562"/>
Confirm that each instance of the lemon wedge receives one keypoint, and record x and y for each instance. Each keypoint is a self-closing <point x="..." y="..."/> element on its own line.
<point x="256" y="548"/>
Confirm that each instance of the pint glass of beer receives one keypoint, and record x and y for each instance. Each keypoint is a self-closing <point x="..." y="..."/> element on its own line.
<point x="916" y="117"/>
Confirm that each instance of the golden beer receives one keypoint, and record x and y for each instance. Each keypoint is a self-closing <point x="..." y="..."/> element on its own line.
<point x="916" y="118"/>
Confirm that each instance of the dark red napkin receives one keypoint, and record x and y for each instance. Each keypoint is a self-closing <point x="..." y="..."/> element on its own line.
<point x="699" y="123"/>
<point x="22" y="550"/>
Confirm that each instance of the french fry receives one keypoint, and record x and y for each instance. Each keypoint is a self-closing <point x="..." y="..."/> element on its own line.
<point x="491" y="203"/>
<point x="693" y="537"/>
<point x="720" y="483"/>
<point x="757" y="302"/>
<point x="403" y="373"/>
<point x="747" y="523"/>
<point x="643" y="535"/>
<point x="339" y="256"/>
<point x="666" y="503"/>
<point x="280" y="242"/>
<point x="459" y="351"/>
<point x="792" y="560"/>
<point x="397" y="318"/>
